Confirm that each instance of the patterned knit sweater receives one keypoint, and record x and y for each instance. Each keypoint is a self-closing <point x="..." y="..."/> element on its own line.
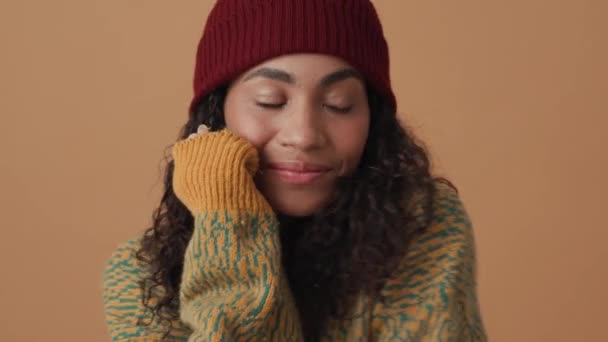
<point x="234" y="287"/>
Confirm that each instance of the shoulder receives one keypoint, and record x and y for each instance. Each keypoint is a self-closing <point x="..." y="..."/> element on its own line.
<point x="123" y="272"/>
<point x="440" y="259"/>
<point x="123" y="294"/>
<point x="443" y="249"/>
<point x="125" y="249"/>
<point x="450" y="217"/>
<point x="432" y="294"/>
<point x="122" y="275"/>
<point x="450" y="227"/>
<point x="123" y="262"/>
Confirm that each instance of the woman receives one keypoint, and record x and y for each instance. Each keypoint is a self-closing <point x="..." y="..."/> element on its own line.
<point x="296" y="208"/>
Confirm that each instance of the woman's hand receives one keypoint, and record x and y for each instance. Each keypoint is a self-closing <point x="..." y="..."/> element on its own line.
<point x="202" y="129"/>
<point x="214" y="170"/>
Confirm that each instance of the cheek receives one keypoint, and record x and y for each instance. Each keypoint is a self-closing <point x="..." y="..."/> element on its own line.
<point x="248" y="124"/>
<point x="350" y="139"/>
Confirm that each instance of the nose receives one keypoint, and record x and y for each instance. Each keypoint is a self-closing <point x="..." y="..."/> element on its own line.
<point x="303" y="128"/>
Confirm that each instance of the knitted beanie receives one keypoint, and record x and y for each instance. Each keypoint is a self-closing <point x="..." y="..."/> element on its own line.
<point x="240" y="34"/>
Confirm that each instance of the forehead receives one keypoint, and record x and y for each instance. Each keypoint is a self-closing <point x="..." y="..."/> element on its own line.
<point x="305" y="60"/>
<point x="304" y="68"/>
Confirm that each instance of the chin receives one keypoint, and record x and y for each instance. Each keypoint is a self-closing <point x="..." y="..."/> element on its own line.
<point x="295" y="210"/>
<point x="297" y="207"/>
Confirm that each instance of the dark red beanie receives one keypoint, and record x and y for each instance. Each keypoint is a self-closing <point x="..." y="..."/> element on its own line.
<point x="240" y="34"/>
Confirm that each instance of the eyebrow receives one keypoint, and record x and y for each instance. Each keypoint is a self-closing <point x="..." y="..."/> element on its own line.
<point x="283" y="76"/>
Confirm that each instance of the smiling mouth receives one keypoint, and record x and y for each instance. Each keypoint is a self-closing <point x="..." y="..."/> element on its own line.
<point x="297" y="173"/>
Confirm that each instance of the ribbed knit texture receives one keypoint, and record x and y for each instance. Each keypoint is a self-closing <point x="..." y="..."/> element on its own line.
<point x="217" y="169"/>
<point x="234" y="288"/>
<point x="240" y="34"/>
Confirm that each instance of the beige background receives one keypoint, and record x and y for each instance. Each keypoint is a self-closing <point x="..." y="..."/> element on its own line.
<point x="510" y="96"/>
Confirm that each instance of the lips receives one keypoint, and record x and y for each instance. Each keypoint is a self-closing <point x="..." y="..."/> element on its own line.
<point x="296" y="172"/>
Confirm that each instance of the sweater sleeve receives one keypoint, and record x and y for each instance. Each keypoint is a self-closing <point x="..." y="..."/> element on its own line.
<point x="433" y="295"/>
<point x="123" y="307"/>
<point x="233" y="287"/>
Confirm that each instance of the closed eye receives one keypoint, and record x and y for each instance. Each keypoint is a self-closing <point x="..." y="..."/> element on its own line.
<point x="339" y="109"/>
<point x="280" y="105"/>
<point x="270" y="105"/>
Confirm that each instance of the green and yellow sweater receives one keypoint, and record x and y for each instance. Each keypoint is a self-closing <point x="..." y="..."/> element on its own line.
<point x="234" y="286"/>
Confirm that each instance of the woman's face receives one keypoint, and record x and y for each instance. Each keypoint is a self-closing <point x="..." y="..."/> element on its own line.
<point x="308" y="116"/>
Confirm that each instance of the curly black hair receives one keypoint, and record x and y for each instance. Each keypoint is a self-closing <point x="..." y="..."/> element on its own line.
<point x="349" y="248"/>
